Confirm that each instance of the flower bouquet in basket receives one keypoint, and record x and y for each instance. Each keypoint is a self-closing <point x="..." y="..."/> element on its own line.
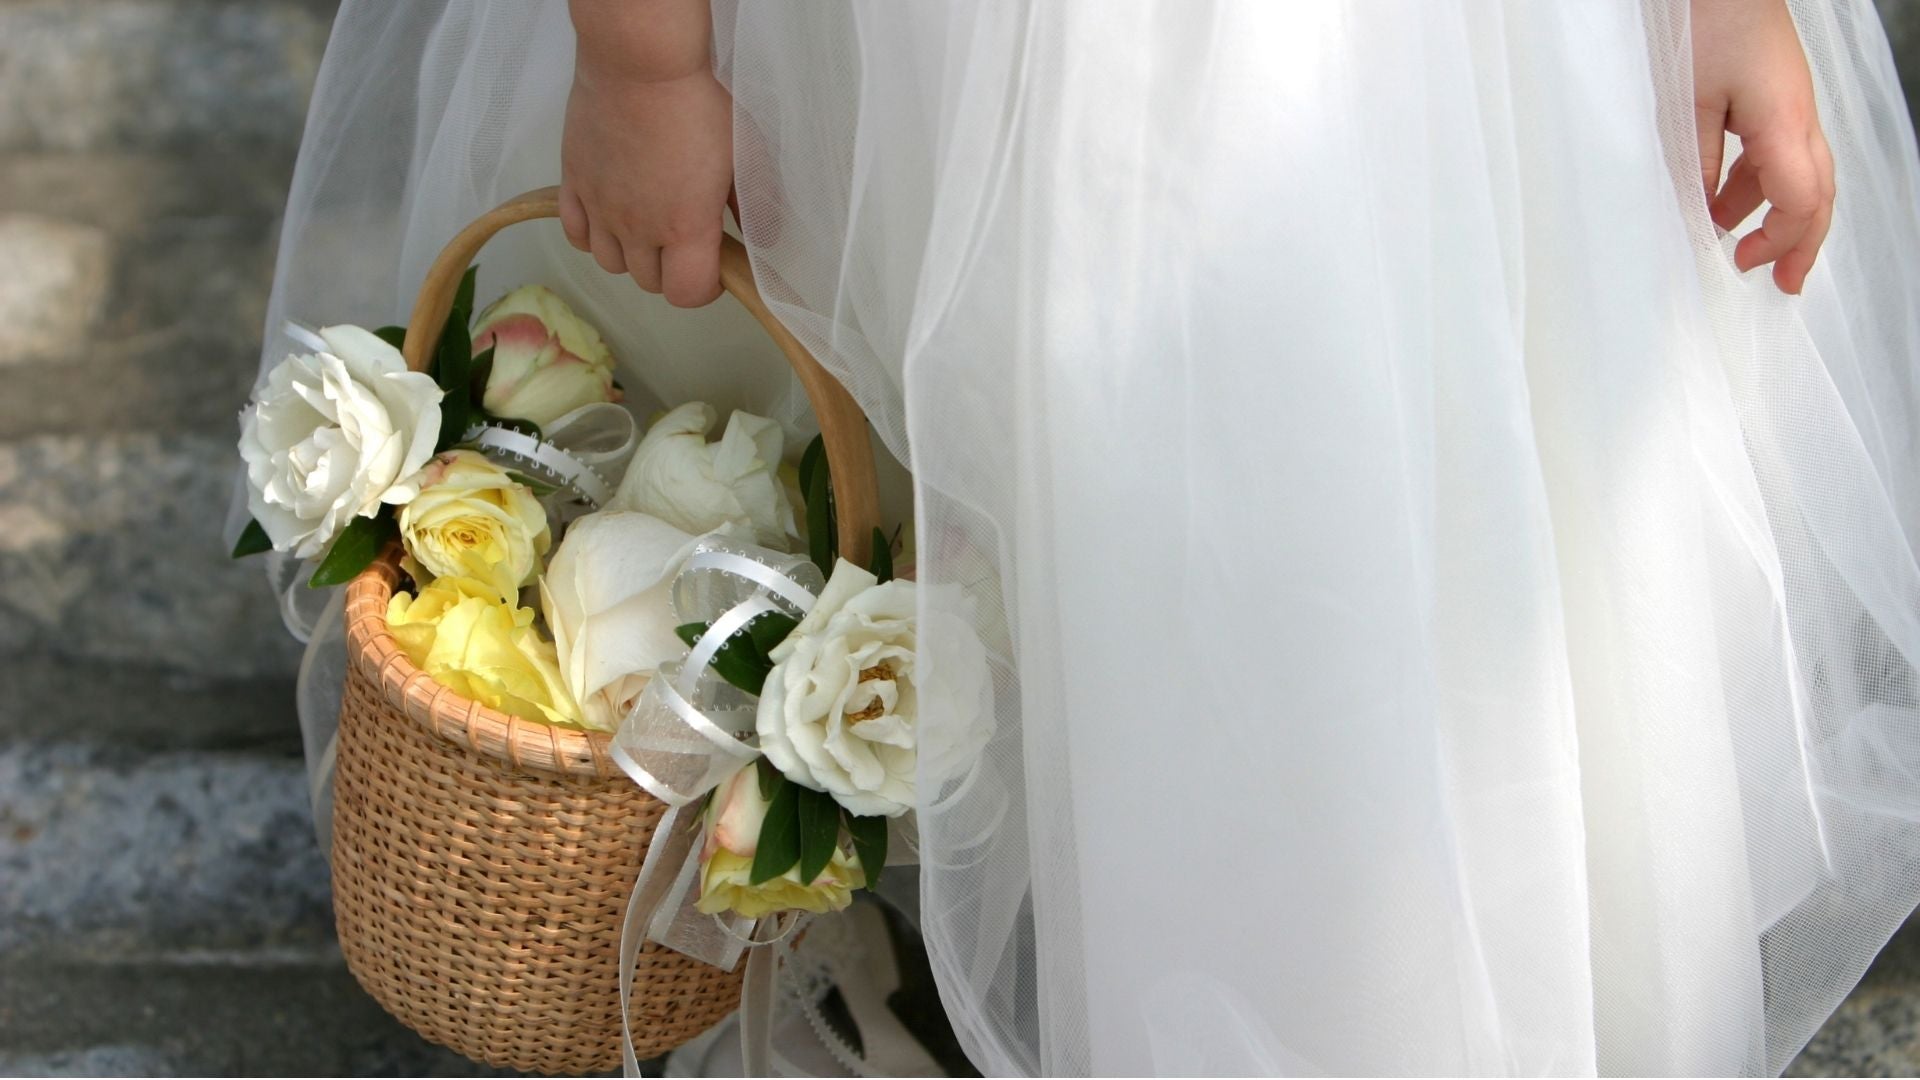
<point x="620" y="709"/>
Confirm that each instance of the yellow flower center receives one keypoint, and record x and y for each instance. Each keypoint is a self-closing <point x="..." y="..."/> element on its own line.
<point x="878" y="672"/>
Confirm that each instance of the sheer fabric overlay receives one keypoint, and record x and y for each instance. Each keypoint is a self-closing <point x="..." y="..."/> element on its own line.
<point x="1446" y="620"/>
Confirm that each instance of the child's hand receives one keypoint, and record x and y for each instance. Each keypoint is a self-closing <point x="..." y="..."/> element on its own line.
<point x="646" y="159"/>
<point x="1750" y="77"/>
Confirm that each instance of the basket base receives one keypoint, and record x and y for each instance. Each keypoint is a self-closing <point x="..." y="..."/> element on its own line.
<point x="482" y="907"/>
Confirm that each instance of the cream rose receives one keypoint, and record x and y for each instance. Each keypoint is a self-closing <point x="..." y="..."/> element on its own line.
<point x="608" y="595"/>
<point x="726" y="874"/>
<point x="471" y="519"/>
<point x="330" y="435"/>
<point x="839" y="709"/>
<point x="680" y="478"/>
<point x="547" y="361"/>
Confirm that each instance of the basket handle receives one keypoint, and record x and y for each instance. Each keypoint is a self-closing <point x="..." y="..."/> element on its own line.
<point x="843" y="427"/>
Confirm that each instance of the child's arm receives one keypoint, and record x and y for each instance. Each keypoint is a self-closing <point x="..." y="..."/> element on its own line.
<point x="646" y="159"/>
<point x="1750" y="77"/>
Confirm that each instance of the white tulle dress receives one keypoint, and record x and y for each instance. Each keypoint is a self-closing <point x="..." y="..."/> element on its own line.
<point x="1446" y="619"/>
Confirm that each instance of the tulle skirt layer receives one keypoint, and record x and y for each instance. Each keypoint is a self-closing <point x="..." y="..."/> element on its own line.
<point x="1446" y="619"/>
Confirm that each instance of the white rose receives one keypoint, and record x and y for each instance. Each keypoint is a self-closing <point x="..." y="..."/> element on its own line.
<point x="609" y="603"/>
<point x="547" y="361"/>
<point x="329" y="436"/>
<point x="680" y="478"/>
<point x="840" y="711"/>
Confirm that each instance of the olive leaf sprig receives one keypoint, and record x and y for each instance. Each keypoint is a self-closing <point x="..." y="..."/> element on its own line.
<point x="802" y="826"/>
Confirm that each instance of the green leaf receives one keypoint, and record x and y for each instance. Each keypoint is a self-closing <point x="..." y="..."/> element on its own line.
<point x="540" y="489"/>
<point x="253" y="540"/>
<point x="870" y="843"/>
<point x="819" y="831"/>
<point x="769" y="777"/>
<point x="882" y="556"/>
<point x="463" y="296"/>
<point x="395" y="336"/>
<point x="357" y="546"/>
<point x="778" y="848"/>
<point x="453" y="365"/>
<point x="479" y="372"/>
<point x="823" y="546"/>
<point x="769" y="630"/>
<point x="810" y="459"/>
<point x="743" y="660"/>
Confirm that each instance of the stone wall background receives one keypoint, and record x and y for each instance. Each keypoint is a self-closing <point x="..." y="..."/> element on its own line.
<point x="163" y="908"/>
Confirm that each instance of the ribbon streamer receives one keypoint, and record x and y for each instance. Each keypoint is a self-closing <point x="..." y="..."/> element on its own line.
<point x="689" y="732"/>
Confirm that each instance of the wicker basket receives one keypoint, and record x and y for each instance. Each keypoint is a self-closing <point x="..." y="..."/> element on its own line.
<point x="482" y="863"/>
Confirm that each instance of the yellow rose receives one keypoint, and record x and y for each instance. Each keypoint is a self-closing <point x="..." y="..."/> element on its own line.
<point x="733" y="833"/>
<point x="724" y="887"/>
<point x="471" y="519"/>
<point x="459" y="631"/>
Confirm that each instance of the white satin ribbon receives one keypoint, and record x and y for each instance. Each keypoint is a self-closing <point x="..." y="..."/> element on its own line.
<point x="543" y="460"/>
<point x="603" y="436"/>
<point x="689" y="731"/>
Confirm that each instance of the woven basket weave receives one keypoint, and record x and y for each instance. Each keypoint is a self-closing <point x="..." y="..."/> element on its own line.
<point x="482" y="863"/>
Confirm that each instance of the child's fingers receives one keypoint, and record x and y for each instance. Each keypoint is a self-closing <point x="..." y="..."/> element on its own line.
<point x="690" y="272"/>
<point x="644" y="265"/>
<point x="1739" y="196"/>
<point x="573" y="218"/>
<point x="1790" y="273"/>
<point x="1711" y="123"/>
<point x="1779" y="231"/>
<point x="606" y="249"/>
<point x="1795" y="175"/>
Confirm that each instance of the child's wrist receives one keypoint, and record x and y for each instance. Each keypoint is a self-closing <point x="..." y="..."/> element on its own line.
<point x="609" y="68"/>
<point x="641" y="41"/>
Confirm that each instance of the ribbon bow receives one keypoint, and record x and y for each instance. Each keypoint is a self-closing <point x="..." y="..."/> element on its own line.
<point x="574" y="453"/>
<point x="689" y="731"/>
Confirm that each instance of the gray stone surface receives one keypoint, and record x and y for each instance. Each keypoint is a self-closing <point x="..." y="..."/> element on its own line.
<point x="176" y="343"/>
<point x="55" y="289"/>
<point x="166" y="913"/>
<point x="111" y="546"/>
<point x="1902" y="21"/>
<point x="64" y="1018"/>
<point x="143" y="73"/>
<point x="1876" y="1030"/>
<point x="111" y="852"/>
<point x="142" y="707"/>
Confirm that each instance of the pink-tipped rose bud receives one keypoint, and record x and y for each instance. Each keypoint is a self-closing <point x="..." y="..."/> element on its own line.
<point x="547" y="361"/>
<point x="737" y="814"/>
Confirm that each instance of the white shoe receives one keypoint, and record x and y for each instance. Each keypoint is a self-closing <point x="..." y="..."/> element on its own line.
<point x="853" y="953"/>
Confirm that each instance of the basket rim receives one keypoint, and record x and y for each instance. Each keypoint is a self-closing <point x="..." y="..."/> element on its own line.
<point x="529" y="745"/>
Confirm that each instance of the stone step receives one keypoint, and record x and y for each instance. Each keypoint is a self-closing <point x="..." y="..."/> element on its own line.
<point x="145" y="288"/>
<point x="108" y="853"/>
<point x="112" y="551"/>
<point x="143" y="707"/>
<point x="222" y="1016"/>
<point x="1876" y="1030"/>
<point x="121" y="190"/>
<point x="116" y="74"/>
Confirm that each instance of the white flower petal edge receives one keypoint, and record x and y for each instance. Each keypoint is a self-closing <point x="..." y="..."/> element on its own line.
<point x="607" y="593"/>
<point x="841" y="710"/>
<point x="680" y="478"/>
<point x="329" y="436"/>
